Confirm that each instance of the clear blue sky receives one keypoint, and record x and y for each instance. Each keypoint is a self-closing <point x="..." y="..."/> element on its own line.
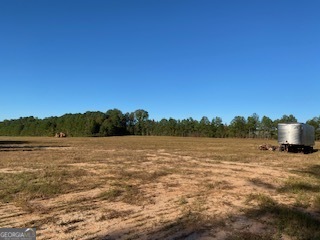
<point x="173" y="58"/>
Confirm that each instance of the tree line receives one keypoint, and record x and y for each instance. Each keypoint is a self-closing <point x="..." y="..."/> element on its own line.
<point x="115" y="123"/>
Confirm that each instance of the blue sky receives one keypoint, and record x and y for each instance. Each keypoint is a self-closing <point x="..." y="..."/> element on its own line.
<point x="173" y="58"/>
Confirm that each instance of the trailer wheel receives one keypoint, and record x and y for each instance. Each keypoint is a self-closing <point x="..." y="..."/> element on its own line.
<point x="307" y="150"/>
<point x="289" y="149"/>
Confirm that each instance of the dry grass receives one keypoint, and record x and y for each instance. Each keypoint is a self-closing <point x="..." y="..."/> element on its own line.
<point x="158" y="188"/>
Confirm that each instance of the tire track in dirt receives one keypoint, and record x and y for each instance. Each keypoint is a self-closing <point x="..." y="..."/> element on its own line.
<point x="9" y="215"/>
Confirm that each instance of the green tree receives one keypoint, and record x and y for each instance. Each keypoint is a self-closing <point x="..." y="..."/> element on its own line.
<point x="252" y="125"/>
<point x="172" y="127"/>
<point x="141" y="117"/>
<point x="204" y="127"/>
<point x="114" y="124"/>
<point x="288" y="119"/>
<point x="266" y="127"/>
<point x="185" y="128"/>
<point x="130" y="123"/>
<point x="238" y="127"/>
<point x="315" y="122"/>
<point x="218" y="129"/>
<point x="48" y="126"/>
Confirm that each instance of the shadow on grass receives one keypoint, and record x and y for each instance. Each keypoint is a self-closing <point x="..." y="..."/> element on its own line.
<point x="278" y="220"/>
<point x="189" y="226"/>
<point x="10" y="146"/>
<point x="295" y="151"/>
<point x="314" y="150"/>
<point x="246" y="235"/>
<point x="289" y="220"/>
<point x="298" y="186"/>
<point x="9" y="142"/>
<point x="260" y="183"/>
<point x="313" y="170"/>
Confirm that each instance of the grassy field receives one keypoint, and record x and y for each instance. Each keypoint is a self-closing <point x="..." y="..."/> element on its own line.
<point x="158" y="188"/>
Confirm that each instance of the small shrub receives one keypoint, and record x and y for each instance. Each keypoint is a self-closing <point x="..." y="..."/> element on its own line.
<point x="111" y="194"/>
<point x="316" y="203"/>
<point x="296" y="186"/>
<point x="182" y="200"/>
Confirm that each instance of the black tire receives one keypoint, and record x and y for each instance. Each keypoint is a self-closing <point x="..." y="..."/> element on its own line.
<point x="307" y="150"/>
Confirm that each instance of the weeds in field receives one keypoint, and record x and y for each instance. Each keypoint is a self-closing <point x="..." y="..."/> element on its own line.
<point x="38" y="184"/>
<point x="209" y="185"/>
<point x="69" y="222"/>
<point x="298" y="185"/>
<point x="108" y="214"/>
<point x="302" y="200"/>
<point x="311" y="171"/>
<point x="289" y="220"/>
<point x="258" y="182"/>
<point x="316" y="203"/>
<point x="182" y="200"/>
<point x="302" y="189"/>
<point x="142" y="176"/>
<point x="25" y="203"/>
<point x="219" y="185"/>
<point x="41" y="222"/>
<point x="262" y="199"/>
<point x="111" y="195"/>
<point x="29" y="183"/>
<point x="192" y="222"/>
<point x="250" y="236"/>
<point x="127" y="193"/>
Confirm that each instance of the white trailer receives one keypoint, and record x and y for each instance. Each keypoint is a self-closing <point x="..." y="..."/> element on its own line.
<point x="295" y="137"/>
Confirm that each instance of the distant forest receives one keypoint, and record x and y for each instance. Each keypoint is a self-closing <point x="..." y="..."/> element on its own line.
<point x="116" y="123"/>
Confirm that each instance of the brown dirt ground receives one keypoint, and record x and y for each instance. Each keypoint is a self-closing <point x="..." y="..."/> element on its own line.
<point x="154" y="187"/>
